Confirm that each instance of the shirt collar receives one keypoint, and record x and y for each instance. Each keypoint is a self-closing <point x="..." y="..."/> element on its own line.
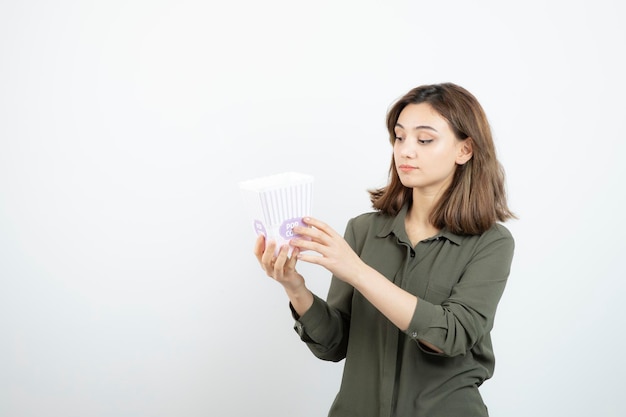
<point x="395" y="225"/>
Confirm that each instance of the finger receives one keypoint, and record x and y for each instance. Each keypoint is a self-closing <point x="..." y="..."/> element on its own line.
<point x="306" y="244"/>
<point x="291" y="262"/>
<point x="320" y="225"/>
<point x="317" y="230"/>
<point x="304" y="234"/>
<point x="309" y="232"/>
<point x="279" y="263"/>
<point x="268" y="252"/>
<point x="312" y="259"/>
<point x="268" y="255"/>
<point x="281" y="259"/>
<point x="259" y="247"/>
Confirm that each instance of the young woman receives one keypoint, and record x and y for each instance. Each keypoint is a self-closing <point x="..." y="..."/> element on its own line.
<point x="416" y="283"/>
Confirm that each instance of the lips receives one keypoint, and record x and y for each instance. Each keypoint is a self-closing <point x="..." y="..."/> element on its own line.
<point x="406" y="168"/>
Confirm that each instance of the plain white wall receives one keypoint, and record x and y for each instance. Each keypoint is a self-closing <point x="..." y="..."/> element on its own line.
<point x="127" y="281"/>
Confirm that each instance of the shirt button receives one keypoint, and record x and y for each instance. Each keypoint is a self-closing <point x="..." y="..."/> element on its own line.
<point x="414" y="335"/>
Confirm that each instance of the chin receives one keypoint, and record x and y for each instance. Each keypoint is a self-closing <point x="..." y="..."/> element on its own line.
<point x="408" y="184"/>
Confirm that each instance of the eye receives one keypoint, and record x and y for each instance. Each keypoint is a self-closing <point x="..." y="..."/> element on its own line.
<point x="424" y="141"/>
<point x="399" y="139"/>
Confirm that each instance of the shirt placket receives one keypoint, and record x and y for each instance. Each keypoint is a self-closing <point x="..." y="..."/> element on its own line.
<point x="390" y="376"/>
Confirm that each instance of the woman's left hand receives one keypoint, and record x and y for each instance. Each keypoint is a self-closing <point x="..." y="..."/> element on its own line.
<point x="336" y="254"/>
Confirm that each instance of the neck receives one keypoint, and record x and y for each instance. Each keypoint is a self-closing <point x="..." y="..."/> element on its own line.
<point x="421" y="208"/>
<point x="417" y="222"/>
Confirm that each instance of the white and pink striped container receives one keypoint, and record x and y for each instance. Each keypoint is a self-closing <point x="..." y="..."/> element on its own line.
<point x="277" y="203"/>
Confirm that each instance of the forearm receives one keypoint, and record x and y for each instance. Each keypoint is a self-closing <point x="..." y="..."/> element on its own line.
<point x="392" y="301"/>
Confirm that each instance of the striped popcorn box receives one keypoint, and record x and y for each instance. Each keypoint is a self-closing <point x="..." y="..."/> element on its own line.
<point x="277" y="203"/>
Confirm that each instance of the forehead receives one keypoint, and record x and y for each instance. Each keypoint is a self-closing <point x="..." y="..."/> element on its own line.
<point x="421" y="115"/>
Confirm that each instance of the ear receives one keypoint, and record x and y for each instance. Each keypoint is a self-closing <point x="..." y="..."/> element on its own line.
<point x="465" y="151"/>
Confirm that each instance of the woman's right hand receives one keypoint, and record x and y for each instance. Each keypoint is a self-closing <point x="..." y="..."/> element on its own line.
<point x="281" y="268"/>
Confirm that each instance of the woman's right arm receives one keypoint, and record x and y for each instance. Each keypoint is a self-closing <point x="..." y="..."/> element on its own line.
<point x="282" y="269"/>
<point x="323" y="328"/>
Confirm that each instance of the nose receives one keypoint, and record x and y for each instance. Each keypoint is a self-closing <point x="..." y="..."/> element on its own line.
<point x="407" y="148"/>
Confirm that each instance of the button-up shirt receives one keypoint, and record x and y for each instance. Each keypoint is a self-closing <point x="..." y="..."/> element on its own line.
<point x="387" y="371"/>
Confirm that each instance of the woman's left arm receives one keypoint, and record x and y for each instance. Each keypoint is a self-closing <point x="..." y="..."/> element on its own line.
<point x="336" y="255"/>
<point x="450" y="328"/>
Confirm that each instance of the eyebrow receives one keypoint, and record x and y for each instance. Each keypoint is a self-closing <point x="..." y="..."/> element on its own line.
<point x="420" y="127"/>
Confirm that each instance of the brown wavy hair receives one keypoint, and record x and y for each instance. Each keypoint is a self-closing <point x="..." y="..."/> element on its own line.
<point x="476" y="198"/>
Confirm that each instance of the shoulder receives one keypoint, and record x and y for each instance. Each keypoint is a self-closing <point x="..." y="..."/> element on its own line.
<point x="364" y="228"/>
<point x="498" y="231"/>
<point x="497" y="237"/>
<point x="371" y="221"/>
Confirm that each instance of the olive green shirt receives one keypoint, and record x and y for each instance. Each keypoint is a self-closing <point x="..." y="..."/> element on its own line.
<point x="458" y="281"/>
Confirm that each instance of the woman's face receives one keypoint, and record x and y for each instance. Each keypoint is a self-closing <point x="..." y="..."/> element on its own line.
<point x="426" y="150"/>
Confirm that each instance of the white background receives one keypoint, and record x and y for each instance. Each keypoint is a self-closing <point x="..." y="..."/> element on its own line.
<point x="127" y="281"/>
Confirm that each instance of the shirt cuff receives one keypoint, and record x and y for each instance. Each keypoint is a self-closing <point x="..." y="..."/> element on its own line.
<point x="310" y="320"/>
<point x="421" y="322"/>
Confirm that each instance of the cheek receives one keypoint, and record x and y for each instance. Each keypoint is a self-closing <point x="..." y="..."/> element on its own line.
<point x="396" y="151"/>
<point x="443" y="157"/>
